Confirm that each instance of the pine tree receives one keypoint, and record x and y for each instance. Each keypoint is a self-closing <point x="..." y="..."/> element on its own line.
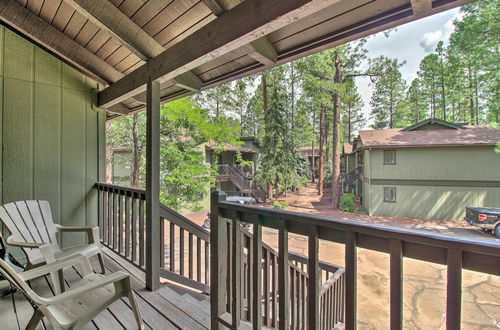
<point x="388" y="93"/>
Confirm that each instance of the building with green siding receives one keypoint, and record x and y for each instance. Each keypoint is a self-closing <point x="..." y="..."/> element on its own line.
<point x="430" y="170"/>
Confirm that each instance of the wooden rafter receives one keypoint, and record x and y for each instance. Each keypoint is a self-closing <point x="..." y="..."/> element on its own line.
<point x="112" y="20"/>
<point x="256" y="19"/>
<point x="26" y="22"/>
<point x="420" y="7"/>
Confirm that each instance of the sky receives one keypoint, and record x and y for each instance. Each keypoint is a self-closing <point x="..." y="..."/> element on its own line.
<point x="410" y="42"/>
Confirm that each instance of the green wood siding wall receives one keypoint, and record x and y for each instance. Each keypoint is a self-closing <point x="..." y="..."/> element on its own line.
<point x="465" y="169"/>
<point x="427" y="202"/>
<point x="452" y="163"/>
<point x="51" y="134"/>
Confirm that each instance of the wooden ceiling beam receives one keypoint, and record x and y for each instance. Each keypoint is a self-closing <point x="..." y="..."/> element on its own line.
<point x="218" y="7"/>
<point x="112" y="20"/>
<point x="35" y="28"/>
<point x="420" y="7"/>
<point x="249" y="21"/>
<point x="188" y="80"/>
<point x="263" y="51"/>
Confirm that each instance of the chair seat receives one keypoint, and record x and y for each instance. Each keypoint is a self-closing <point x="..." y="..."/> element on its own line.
<point x="71" y="310"/>
<point x="88" y="250"/>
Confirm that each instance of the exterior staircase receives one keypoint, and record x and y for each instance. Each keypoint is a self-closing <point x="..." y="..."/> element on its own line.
<point x="351" y="177"/>
<point x="244" y="183"/>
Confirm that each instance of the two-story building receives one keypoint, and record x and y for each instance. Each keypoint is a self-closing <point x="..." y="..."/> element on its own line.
<point x="432" y="169"/>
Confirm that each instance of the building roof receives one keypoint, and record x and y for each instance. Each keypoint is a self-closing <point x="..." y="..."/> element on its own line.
<point x="307" y="151"/>
<point x="189" y="45"/>
<point x="468" y="136"/>
<point x="229" y="147"/>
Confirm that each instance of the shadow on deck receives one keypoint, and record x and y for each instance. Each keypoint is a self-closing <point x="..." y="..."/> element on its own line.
<point x="171" y="307"/>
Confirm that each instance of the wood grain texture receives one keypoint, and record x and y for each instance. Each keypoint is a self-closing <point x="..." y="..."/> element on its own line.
<point x="211" y="41"/>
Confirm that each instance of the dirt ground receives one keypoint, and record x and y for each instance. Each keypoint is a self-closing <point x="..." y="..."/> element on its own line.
<point x="424" y="283"/>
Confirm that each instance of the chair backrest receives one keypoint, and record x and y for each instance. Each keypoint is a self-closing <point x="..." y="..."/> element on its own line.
<point x="12" y="277"/>
<point x="29" y="222"/>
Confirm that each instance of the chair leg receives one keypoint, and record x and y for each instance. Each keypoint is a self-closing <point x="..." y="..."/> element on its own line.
<point x="135" y="308"/>
<point x="101" y="262"/>
<point x="35" y="319"/>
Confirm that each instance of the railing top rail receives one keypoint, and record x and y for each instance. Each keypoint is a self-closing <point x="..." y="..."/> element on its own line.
<point x="184" y="223"/>
<point x="403" y="234"/>
<point x="118" y="189"/>
<point x="482" y="256"/>
<point x="322" y="264"/>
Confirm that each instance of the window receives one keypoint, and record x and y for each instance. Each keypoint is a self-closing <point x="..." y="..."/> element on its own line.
<point x="389" y="194"/>
<point x="389" y="157"/>
<point x="360" y="158"/>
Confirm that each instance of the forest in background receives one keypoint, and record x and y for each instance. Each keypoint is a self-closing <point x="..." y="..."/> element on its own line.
<point x="315" y="102"/>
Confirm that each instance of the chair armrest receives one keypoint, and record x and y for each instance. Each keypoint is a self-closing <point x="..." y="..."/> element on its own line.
<point x="92" y="231"/>
<point x="76" y="259"/>
<point x="10" y="241"/>
<point x="90" y="286"/>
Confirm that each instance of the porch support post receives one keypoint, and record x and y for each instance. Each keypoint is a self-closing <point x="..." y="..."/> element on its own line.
<point x="218" y="259"/>
<point x="153" y="224"/>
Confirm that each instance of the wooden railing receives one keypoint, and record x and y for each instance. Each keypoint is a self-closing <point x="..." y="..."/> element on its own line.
<point x="456" y="253"/>
<point x="121" y="221"/>
<point x="185" y="249"/>
<point x="351" y="177"/>
<point x="297" y="264"/>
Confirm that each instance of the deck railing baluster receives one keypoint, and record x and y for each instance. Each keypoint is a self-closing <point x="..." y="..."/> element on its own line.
<point x="236" y="271"/>
<point x="284" y="304"/>
<point x="453" y="289"/>
<point x="257" y="274"/>
<point x="396" y="286"/>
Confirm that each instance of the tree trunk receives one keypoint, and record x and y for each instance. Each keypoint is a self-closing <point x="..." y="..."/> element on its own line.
<point x="321" y="174"/>
<point x="313" y="163"/>
<point x="471" y="97"/>
<point x="336" y="136"/>
<point x="136" y="152"/>
<point x="327" y="133"/>
<point x="265" y="101"/>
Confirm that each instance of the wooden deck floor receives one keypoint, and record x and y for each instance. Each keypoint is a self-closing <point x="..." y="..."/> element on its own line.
<point x="171" y="307"/>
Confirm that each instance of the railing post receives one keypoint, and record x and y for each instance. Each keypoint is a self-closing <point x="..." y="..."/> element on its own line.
<point x="314" y="280"/>
<point x="218" y="259"/>
<point x="153" y="225"/>
<point x="284" y="303"/>
<point x="396" y="280"/>
<point x="350" y="280"/>
<point x="454" y="289"/>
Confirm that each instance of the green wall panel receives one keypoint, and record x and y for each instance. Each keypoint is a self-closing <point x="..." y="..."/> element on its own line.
<point x="427" y="202"/>
<point x="17" y="140"/>
<point x="18" y="60"/>
<point x="47" y="146"/>
<point x="47" y="68"/>
<point x="73" y="161"/>
<point x="73" y="79"/>
<point x="440" y="163"/>
<point x="51" y="134"/>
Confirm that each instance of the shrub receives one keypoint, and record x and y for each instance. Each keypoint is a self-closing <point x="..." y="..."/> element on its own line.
<point x="280" y="205"/>
<point x="348" y="202"/>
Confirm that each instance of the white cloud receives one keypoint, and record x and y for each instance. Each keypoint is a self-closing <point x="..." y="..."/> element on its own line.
<point x="430" y="40"/>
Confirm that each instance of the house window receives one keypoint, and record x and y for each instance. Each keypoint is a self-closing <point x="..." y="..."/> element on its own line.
<point x="389" y="157"/>
<point x="360" y="158"/>
<point x="389" y="194"/>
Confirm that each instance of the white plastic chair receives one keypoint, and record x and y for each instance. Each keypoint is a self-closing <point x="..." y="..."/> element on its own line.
<point x="82" y="302"/>
<point x="32" y="229"/>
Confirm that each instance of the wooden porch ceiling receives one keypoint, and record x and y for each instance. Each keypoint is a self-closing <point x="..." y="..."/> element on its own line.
<point x="192" y="45"/>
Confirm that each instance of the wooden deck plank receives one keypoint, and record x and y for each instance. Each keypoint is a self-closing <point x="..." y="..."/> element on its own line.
<point x="160" y="310"/>
<point x="166" y="311"/>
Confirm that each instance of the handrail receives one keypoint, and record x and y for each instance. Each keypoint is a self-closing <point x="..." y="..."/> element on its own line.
<point x="184" y="223"/>
<point x="457" y="253"/>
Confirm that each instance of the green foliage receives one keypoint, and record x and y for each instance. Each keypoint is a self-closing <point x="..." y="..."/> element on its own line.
<point x="388" y="93"/>
<point x="280" y="205"/>
<point x="242" y="162"/>
<point x="348" y="202"/>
